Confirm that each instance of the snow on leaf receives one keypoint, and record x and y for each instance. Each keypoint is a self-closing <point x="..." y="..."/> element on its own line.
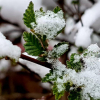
<point x="58" y="50"/>
<point x="49" y="23"/>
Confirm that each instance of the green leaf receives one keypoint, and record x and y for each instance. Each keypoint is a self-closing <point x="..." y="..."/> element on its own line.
<point x="29" y="16"/>
<point x="67" y="85"/>
<point x="75" y="94"/>
<point x="43" y="59"/>
<point x="75" y="2"/>
<point x="56" y="10"/>
<point x="57" y="94"/>
<point x="80" y="50"/>
<point x="70" y="64"/>
<point x="0" y="8"/>
<point x="58" y="50"/>
<point x="41" y="9"/>
<point x="43" y="40"/>
<point x="47" y="77"/>
<point x="32" y="45"/>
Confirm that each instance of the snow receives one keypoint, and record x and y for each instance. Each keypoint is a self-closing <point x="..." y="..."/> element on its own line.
<point x="40" y="70"/>
<point x="4" y="65"/>
<point x="77" y="58"/>
<point x="25" y="53"/>
<point x="89" y="76"/>
<point x="49" y="23"/>
<point x="83" y="37"/>
<point x="7" y="49"/>
<point x="73" y="49"/>
<point x="94" y="48"/>
<point x="58" y="50"/>
<point x="69" y="25"/>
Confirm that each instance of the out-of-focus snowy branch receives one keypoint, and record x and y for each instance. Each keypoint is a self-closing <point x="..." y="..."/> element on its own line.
<point x="90" y="16"/>
<point x="12" y="10"/>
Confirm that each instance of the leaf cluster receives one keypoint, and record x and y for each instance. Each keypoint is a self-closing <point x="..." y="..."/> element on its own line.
<point x="76" y="66"/>
<point x="57" y="9"/>
<point x="57" y="94"/>
<point x="36" y="45"/>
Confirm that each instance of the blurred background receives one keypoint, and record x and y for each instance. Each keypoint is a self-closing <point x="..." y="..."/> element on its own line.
<point x="16" y="83"/>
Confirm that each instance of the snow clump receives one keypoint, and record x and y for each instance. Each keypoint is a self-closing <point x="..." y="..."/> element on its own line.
<point x="49" y="23"/>
<point x="83" y="37"/>
<point x="7" y="49"/>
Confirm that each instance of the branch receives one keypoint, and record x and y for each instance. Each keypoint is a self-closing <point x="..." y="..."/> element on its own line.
<point x="63" y="6"/>
<point x="92" y="1"/>
<point x="45" y="64"/>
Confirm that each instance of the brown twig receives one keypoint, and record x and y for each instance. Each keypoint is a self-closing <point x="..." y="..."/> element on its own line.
<point x="66" y="9"/>
<point x="78" y="12"/>
<point x="92" y="1"/>
<point x="45" y="64"/>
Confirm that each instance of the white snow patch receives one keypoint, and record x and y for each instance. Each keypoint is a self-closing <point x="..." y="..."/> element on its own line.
<point x="90" y="16"/>
<point x="83" y="37"/>
<point x="8" y="49"/>
<point x="70" y="23"/>
<point x="12" y="10"/>
<point x="49" y="24"/>
<point x="93" y="48"/>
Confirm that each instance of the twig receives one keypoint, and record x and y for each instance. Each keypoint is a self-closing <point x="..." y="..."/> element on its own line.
<point x="45" y="64"/>
<point x="69" y="9"/>
<point x="62" y="5"/>
<point x="78" y="11"/>
<point x="93" y="1"/>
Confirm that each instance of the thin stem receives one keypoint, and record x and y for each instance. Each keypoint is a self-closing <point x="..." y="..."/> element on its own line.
<point x="78" y="12"/>
<point x="70" y="10"/>
<point x="63" y="6"/>
<point x="92" y="1"/>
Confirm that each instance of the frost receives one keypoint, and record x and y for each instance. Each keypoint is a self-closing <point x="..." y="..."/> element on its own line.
<point x="49" y="23"/>
<point x="7" y="49"/>
<point x="58" y="51"/>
